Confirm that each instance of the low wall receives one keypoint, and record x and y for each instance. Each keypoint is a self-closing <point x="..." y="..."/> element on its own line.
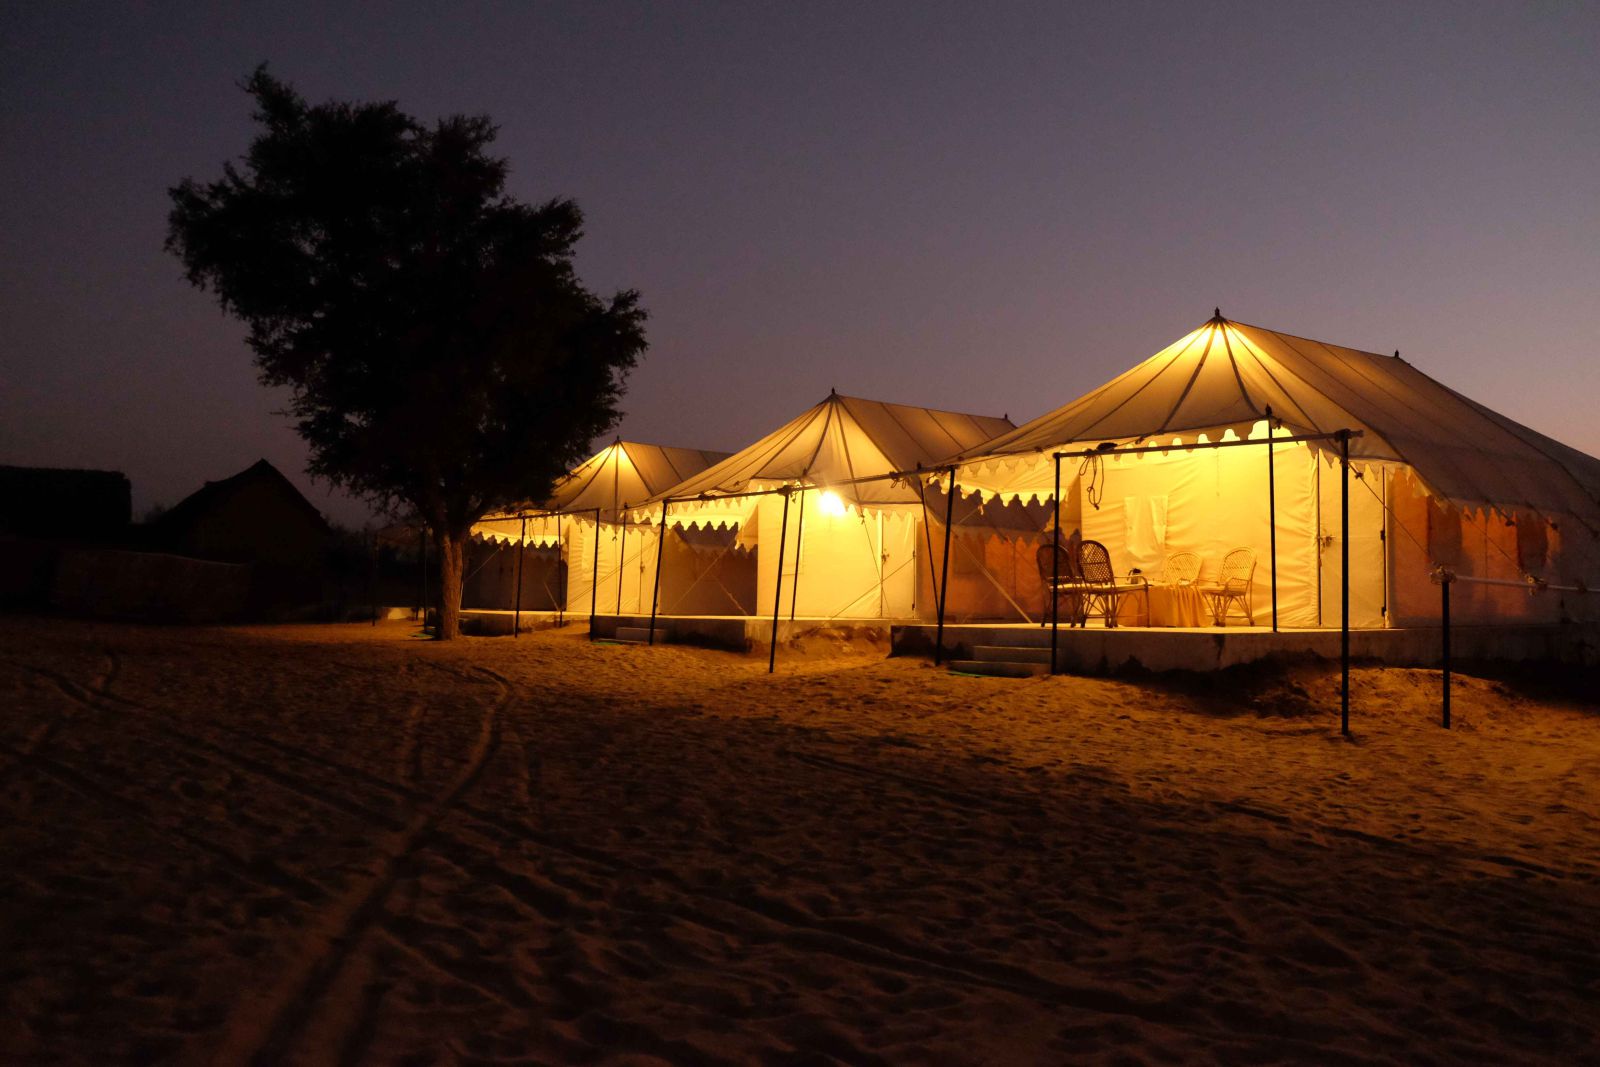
<point x="113" y="584"/>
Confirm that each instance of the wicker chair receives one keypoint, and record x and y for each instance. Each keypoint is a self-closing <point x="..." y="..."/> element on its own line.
<point x="1234" y="587"/>
<point x="1093" y="588"/>
<point x="1069" y="603"/>
<point x="1181" y="569"/>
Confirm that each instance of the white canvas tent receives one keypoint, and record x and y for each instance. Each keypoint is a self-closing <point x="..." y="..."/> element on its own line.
<point x="848" y="531"/>
<point x="584" y="518"/>
<point x="1437" y="479"/>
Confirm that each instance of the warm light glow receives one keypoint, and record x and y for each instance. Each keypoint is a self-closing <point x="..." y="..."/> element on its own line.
<point x="830" y="503"/>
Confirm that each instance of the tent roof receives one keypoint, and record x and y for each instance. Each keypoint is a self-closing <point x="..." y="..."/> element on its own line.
<point x="1228" y="374"/>
<point x="621" y="474"/>
<point x="627" y="472"/>
<point x="841" y="439"/>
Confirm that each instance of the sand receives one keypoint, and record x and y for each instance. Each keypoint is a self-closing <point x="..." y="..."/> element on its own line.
<point x="325" y="844"/>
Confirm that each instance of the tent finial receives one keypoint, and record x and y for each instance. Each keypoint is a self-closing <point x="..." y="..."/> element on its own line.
<point x="1397" y="353"/>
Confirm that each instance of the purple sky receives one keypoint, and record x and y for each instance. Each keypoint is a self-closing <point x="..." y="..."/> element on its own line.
<point x="990" y="207"/>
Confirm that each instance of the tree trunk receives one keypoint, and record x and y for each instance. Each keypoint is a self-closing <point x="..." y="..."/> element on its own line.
<point x="451" y="549"/>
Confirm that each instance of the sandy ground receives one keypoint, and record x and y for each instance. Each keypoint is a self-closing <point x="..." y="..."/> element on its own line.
<point x="345" y="844"/>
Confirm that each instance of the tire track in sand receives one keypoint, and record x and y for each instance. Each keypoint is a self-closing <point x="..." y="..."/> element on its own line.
<point x="42" y="734"/>
<point x="104" y="702"/>
<point x="263" y="1028"/>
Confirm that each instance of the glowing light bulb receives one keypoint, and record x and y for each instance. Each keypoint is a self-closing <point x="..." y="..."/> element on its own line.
<point x="830" y="503"/>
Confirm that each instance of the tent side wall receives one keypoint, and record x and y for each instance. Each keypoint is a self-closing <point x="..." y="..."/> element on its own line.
<point x="1210" y="502"/>
<point x="849" y="563"/>
<point x="1147" y="507"/>
<point x="619" y="579"/>
<point x="578" y="537"/>
<point x="994" y="571"/>
<point x="1371" y="569"/>
<point x="702" y="576"/>
<point x="491" y="577"/>
<point x="1484" y="544"/>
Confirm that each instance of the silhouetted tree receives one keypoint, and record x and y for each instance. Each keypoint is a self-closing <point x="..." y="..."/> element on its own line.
<point x="442" y="355"/>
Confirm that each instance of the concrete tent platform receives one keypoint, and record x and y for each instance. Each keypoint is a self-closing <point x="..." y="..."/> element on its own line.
<point x="1092" y="650"/>
<point x="485" y="622"/>
<point x="734" y="633"/>
<point x="1095" y="650"/>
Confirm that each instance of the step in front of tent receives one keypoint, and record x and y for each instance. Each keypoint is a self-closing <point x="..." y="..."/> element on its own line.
<point x="1011" y="654"/>
<point x="637" y="635"/>
<point x="996" y="668"/>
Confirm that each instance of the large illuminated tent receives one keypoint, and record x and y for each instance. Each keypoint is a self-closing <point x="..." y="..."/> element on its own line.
<point x="576" y="542"/>
<point x="832" y="493"/>
<point x="1436" y="480"/>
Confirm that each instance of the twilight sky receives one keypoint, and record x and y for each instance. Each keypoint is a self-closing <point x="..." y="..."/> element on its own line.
<point x="987" y="207"/>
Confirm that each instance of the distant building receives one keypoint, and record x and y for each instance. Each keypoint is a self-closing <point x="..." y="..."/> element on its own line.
<point x="256" y="517"/>
<point x="43" y="511"/>
<point x="70" y="505"/>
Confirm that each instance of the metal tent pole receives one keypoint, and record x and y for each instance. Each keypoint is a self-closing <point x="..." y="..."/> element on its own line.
<point x="516" y="616"/>
<point x="777" y="592"/>
<point x="622" y="561"/>
<point x="594" y="576"/>
<point x="944" y="569"/>
<point x="1272" y="518"/>
<point x="1055" y="572"/>
<point x="655" y="589"/>
<point x="561" y="576"/>
<point x="1444" y="613"/>
<point x="799" y="551"/>
<point x="1344" y="582"/>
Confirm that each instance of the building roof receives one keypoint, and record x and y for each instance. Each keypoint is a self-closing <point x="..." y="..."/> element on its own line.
<point x="213" y="495"/>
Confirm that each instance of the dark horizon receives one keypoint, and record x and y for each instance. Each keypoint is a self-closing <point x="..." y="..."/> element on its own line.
<point x="983" y="212"/>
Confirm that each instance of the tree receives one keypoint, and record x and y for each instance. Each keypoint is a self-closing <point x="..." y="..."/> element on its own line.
<point x="443" y="357"/>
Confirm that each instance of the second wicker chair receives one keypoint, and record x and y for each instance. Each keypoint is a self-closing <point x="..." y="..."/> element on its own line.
<point x="1234" y="587"/>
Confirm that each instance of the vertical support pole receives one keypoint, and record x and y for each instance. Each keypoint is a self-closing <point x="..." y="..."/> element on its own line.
<point x="944" y="568"/>
<point x="561" y="575"/>
<point x="594" y="576"/>
<point x="516" y="616"/>
<point x="655" y="589"/>
<point x="1055" y="569"/>
<point x="1272" y="518"/>
<point x="422" y="536"/>
<point x="622" y="560"/>
<point x="372" y="584"/>
<point x="799" y="553"/>
<point x="1344" y="582"/>
<point x="1444" y="617"/>
<point x="777" y="592"/>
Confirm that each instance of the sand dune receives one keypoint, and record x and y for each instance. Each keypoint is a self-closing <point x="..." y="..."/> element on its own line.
<point x="344" y="844"/>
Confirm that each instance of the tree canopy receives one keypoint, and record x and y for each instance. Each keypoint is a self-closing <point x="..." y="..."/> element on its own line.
<point x="442" y="354"/>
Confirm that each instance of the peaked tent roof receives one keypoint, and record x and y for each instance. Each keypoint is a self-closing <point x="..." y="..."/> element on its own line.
<point x="1226" y="375"/>
<point x="840" y="440"/>
<point x="622" y="473"/>
<point x="627" y="472"/>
